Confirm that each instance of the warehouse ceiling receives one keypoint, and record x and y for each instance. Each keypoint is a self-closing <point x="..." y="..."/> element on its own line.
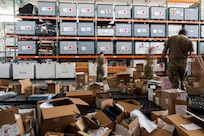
<point x="6" y="6"/>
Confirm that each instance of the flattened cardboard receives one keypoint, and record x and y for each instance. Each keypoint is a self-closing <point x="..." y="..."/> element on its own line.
<point x="177" y="119"/>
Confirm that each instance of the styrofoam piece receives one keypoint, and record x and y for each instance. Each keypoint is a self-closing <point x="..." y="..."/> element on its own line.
<point x="93" y="67"/>
<point x="23" y="70"/>
<point x="65" y="70"/>
<point x="45" y="70"/>
<point x="5" y="70"/>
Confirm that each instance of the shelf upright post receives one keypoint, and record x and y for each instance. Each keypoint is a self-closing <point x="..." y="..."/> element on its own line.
<point x="57" y="29"/>
<point x="15" y="46"/>
<point x="199" y="26"/>
<point x="95" y="29"/>
<point x="132" y="22"/>
<point x="4" y="27"/>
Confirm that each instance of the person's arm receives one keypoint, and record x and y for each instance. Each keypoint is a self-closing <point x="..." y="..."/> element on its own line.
<point x="164" y="53"/>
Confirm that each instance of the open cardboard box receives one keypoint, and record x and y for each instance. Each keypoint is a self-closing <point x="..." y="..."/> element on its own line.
<point x="87" y="96"/>
<point x="102" y="98"/>
<point x="130" y="105"/>
<point x="177" y="120"/>
<point x="61" y="113"/>
<point x="126" y="126"/>
<point x="13" y="121"/>
<point x="85" y="123"/>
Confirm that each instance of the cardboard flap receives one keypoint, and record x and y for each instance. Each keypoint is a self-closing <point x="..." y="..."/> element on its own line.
<point x="133" y="124"/>
<point x="80" y="93"/>
<point x="102" y="118"/>
<point x="129" y="107"/>
<point x="106" y="103"/>
<point x="59" y="111"/>
<point x="84" y="123"/>
<point x="7" y="117"/>
<point x="78" y="101"/>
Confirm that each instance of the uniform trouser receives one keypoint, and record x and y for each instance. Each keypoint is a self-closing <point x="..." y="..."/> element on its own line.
<point x="100" y="74"/>
<point x="177" y="73"/>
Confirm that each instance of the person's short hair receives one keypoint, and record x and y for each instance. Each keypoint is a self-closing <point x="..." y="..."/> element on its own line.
<point x="101" y="53"/>
<point x="183" y="31"/>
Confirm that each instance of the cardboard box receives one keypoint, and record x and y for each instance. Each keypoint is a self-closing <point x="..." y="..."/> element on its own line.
<point x="157" y="98"/>
<point x="53" y="134"/>
<point x="172" y="94"/>
<point x="92" y="79"/>
<point x="81" y="79"/>
<point x="112" y="81"/>
<point x="53" y="87"/>
<point x="16" y="88"/>
<point x="87" y="96"/>
<point x="126" y="126"/>
<point x="140" y="67"/>
<point x="130" y="105"/>
<point x="4" y="84"/>
<point x="157" y="114"/>
<point x="177" y="120"/>
<point x="177" y="106"/>
<point x="123" y="76"/>
<point x="138" y="75"/>
<point x="58" y="113"/>
<point x="85" y="123"/>
<point x="67" y="87"/>
<point x="10" y="120"/>
<point x="156" y="132"/>
<point x="141" y="86"/>
<point x="28" y="122"/>
<point x="102" y="99"/>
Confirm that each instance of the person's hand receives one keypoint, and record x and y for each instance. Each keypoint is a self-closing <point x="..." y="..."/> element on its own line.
<point x="161" y="65"/>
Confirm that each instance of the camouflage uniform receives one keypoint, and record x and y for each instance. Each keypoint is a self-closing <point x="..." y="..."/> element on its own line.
<point x="178" y="47"/>
<point x="100" y="69"/>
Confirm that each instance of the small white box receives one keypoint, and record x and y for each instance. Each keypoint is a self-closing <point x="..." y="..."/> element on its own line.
<point x="45" y="70"/>
<point x="65" y="70"/>
<point x="23" y="70"/>
<point x="5" y="70"/>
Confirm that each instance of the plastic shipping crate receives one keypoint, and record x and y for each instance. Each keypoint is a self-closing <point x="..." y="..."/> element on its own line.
<point x="46" y="8"/>
<point x="191" y="14"/>
<point x="23" y="70"/>
<point x="45" y="70"/>
<point x="68" y="28"/>
<point x="141" y="12"/>
<point x="192" y="30"/>
<point x="68" y="47"/>
<point x="173" y="29"/>
<point x="157" y="47"/>
<point x="86" y="29"/>
<point x="86" y="10"/>
<point x="67" y="9"/>
<point x="26" y="27"/>
<point x="157" y="30"/>
<point x="176" y="13"/>
<point x="123" y="47"/>
<point x="122" y="11"/>
<point x="123" y="29"/>
<point x="65" y="70"/>
<point x="106" y="47"/>
<point x="142" y="47"/>
<point x="157" y="12"/>
<point x="141" y="30"/>
<point x="105" y="10"/>
<point x="5" y="70"/>
<point x="27" y="47"/>
<point x="86" y="47"/>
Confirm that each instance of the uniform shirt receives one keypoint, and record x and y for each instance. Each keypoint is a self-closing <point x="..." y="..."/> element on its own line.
<point x="100" y="61"/>
<point x="179" y="46"/>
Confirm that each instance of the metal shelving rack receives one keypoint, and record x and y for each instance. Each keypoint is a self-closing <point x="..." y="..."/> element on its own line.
<point x="96" y="38"/>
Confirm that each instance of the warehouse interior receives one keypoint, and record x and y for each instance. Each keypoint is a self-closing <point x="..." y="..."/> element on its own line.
<point x="49" y="60"/>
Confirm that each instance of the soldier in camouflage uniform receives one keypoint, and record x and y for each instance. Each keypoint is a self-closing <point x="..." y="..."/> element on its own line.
<point x="100" y="60"/>
<point x="178" y="47"/>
